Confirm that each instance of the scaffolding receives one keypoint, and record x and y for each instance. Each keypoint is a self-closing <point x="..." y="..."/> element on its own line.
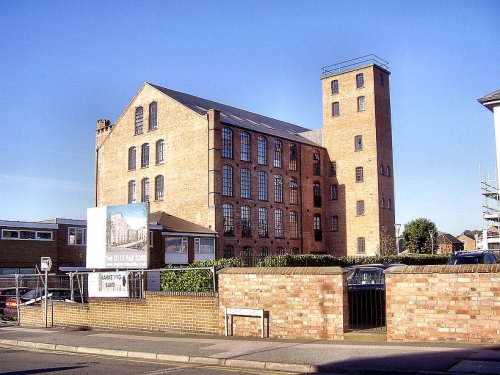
<point x="491" y="214"/>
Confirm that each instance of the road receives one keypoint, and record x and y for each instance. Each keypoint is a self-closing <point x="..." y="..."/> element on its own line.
<point x="24" y="362"/>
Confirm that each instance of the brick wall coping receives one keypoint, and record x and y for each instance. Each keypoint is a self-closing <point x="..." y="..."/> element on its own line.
<point x="445" y="269"/>
<point x="283" y="270"/>
<point x="183" y="294"/>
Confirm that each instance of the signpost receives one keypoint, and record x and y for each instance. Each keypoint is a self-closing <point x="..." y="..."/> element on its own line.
<point x="46" y="265"/>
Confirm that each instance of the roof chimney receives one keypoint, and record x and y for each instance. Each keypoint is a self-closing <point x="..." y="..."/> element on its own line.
<point x="103" y="123"/>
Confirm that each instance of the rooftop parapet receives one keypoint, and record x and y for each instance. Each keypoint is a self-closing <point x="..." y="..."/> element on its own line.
<point x="353" y="64"/>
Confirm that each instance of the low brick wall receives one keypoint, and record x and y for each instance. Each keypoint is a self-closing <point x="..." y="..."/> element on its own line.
<point x="444" y="303"/>
<point x="166" y="312"/>
<point x="306" y="303"/>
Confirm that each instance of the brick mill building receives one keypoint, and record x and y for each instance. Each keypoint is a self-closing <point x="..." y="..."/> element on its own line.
<point x="261" y="185"/>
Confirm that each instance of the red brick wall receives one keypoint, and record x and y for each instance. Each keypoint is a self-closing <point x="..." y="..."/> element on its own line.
<point x="444" y="303"/>
<point x="308" y="303"/>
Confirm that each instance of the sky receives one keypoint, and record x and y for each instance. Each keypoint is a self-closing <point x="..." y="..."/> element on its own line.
<point x="63" y="65"/>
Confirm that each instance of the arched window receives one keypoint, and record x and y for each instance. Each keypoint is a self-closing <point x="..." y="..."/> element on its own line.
<point x="228" y="219"/>
<point x="262" y="150"/>
<point x="382" y="202"/>
<point x="263" y="227"/>
<point x="245" y="147"/>
<point x="280" y="251"/>
<point x="245" y="183"/>
<point x="152" y="116"/>
<point x="388" y="171"/>
<point x="278" y="188"/>
<point x="139" y="120"/>
<point x="132" y="194"/>
<point x="227" y="181"/>
<point x="294" y="224"/>
<point x="145" y="155"/>
<point x="278" y="223"/>
<point x="145" y="190"/>
<point x="247" y="256"/>
<point x="227" y="143"/>
<point x="381" y="170"/>
<point x="293" y="157"/>
<point x="159" y="188"/>
<point x="246" y="221"/>
<point x="278" y="153"/>
<point x="316" y="163"/>
<point x="263" y="252"/>
<point x="131" y="158"/>
<point x="318" y="233"/>
<point x="263" y="186"/>
<point x="294" y="191"/>
<point x="160" y="147"/>
<point x="317" y="194"/>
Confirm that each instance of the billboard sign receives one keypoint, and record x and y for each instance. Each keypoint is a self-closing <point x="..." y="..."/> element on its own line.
<point x="118" y="236"/>
<point x="108" y="284"/>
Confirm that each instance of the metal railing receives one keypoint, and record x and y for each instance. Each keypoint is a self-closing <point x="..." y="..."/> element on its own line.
<point x="354" y="63"/>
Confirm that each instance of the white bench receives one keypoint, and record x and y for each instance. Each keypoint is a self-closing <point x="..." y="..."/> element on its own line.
<point x="228" y="311"/>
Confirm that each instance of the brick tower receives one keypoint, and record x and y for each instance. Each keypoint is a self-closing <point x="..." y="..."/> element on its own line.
<point x="357" y="135"/>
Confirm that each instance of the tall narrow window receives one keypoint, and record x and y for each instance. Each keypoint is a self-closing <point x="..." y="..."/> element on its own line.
<point x="359" y="174"/>
<point x="263" y="186"/>
<point x="278" y="153"/>
<point x="246" y="256"/>
<point x="361" y="245"/>
<point x="131" y="158"/>
<point x="263" y="252"/>
<point x="358" y="143"/>
<point x="263" y="228"/>
<point x="294" y="191"/>
<point x="296" y="251"/>
<point x="159" y="188"/>
<point x="160" y="146"/>
<point x="389" y="204"/>
<point x="335" y="86"/>
<point x="360" y="208"/>
<point x="227" y="143"/>
<point x="333" y="169"/>
<point x="316" y="163"/>
<point x="228" y="251"/>
<point x="317" y="194"/>
<point x="294" y="224"/>
<point x="262" y="150"/>
<point x="145" y="155"/>
<point x="278" y="223"/>
<point x="152" y="116"/>
<point x="227" y="181"/>
<point x="280" y="251"/>
<point x="145" y="190"/>
<point x="293" y="157"/>
<point x="318" y="233"/>
<point x="334" y="192"/>
<point x="361" y="103"/>
<point x="278" y="188"/>
<point x="139" y="120"/>
<point x="228" y="219"/>
<point x="381" y="169"/>
<point x="334" y="224"/>
<point x="360" y="80"/>
<point x="132" y="193"/>
<point x="245" y="148"/>
<point x="388" y="171"/>
<point x="245" y="183"/>
<point x="246" y="221"/>
<point x="382" y="203"/>
<point x="335" y="109"/>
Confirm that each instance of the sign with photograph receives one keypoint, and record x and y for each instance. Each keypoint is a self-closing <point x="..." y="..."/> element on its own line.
<point x="118" y="236"/>
<point x="108" y="284"/>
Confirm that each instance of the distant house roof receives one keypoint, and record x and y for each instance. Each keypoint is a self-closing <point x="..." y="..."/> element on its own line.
<point x="448" y="238"/>
<point x="490" y="100"/>
<point x="468" y="235"/>
<point x="241" y="118"/>
<point x="174" y="224"/>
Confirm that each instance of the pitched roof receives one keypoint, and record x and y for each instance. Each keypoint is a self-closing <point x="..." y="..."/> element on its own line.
<point x="174" y="224"/>
<point x="445" y="237"/>
<point x="490" y="99"/>
<point x="241" y="118"/>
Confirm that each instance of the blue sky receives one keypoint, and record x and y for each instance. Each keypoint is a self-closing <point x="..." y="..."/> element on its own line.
<point x="63" y="65"/>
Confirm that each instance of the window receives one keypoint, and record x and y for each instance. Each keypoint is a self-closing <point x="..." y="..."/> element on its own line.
<point x="204" y="246"/>
<point x="262" y="150"/>
<point x="227" y="181"/>
<point x="317" y="194"/>
<point x="245" y="183"/>
<point x="335" y="109"/>
<point x="335" y="86"/>
<point x="160" y="146"/>
<point x="359" y="174"/>
<point x="280" y="251"/>
<point x="361" y="103"/>
<point x="132" y="193"/>
<point x="293" y="157"/>
<point x="138" y="120"/>
<point x="12" y="234"/>
<point x="381" y="169"/>
<point x="294" y="191"/>
<point x="318" y="233"/>
<point x="263" y="186"/>
<point x="316" y="163"/>
<point x="228" y="219"/>
<point x="361" y="244"/>
<point x="152" y="116"/>
<point x="334" y="223"/>
<point x="263" y="228"/>
<point x="334" y="192"/>
<point x="382" y="202"/>
<point x="145" y="190"/>
<point x="278" y="188"/>
<point x="246" y="221"/>
<point x="177" y="245"/>
<point x="296" y="251"/>
<point x="358" y="143"/>
<point x="388" y="171"/>
<point x="77" y="236"/>
<point x="360" y="80"/>
<point x="159" y="188"/>
<point x="247" y="256"/>
<point x="245" y="149"/>
<point x="131" y="158"/>
<point x="263" y="252"/>
<point x="389" y="204"/>
<point x="227" y="143"/>
<point x="278" y="223"/>
<point x="278" y="153"/>
<point x="145" y="155"/>
<point x="294" y="224"/>
<point x="228" y="251"/>
<point x="360" y="208"/>
<point x="333" y="169"/>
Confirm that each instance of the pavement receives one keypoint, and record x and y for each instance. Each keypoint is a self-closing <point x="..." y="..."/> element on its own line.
<point x="296" y="356"/>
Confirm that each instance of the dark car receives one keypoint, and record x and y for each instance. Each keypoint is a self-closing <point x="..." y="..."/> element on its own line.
<point x="474" y="257"/>
<point x="6" y="293"/>
<point x="370" y="276"/>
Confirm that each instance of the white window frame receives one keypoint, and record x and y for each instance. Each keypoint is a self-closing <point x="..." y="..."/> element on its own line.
<point x="83" y="232"/>
<point x="36" y="232"/>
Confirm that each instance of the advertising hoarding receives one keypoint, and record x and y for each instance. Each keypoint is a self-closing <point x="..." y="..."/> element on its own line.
<point x="108" y="284"/>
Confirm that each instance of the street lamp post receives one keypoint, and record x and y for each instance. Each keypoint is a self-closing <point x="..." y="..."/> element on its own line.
<point x="432" y="233"/>
<point x="397" y="227"/>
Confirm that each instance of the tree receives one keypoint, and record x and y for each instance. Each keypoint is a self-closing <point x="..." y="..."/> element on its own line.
<point x="387" y="243"/>
<point x="417" y="235"/>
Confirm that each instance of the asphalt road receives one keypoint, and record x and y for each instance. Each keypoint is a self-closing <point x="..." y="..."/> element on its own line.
<point x="28" y="362"/>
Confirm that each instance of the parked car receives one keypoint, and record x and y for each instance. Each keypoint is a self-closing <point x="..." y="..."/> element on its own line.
<point x="35" y="295"/>
<point x="6" y="293"/>
<point x="369" y="276"/>
<point x="474" y="257"/>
